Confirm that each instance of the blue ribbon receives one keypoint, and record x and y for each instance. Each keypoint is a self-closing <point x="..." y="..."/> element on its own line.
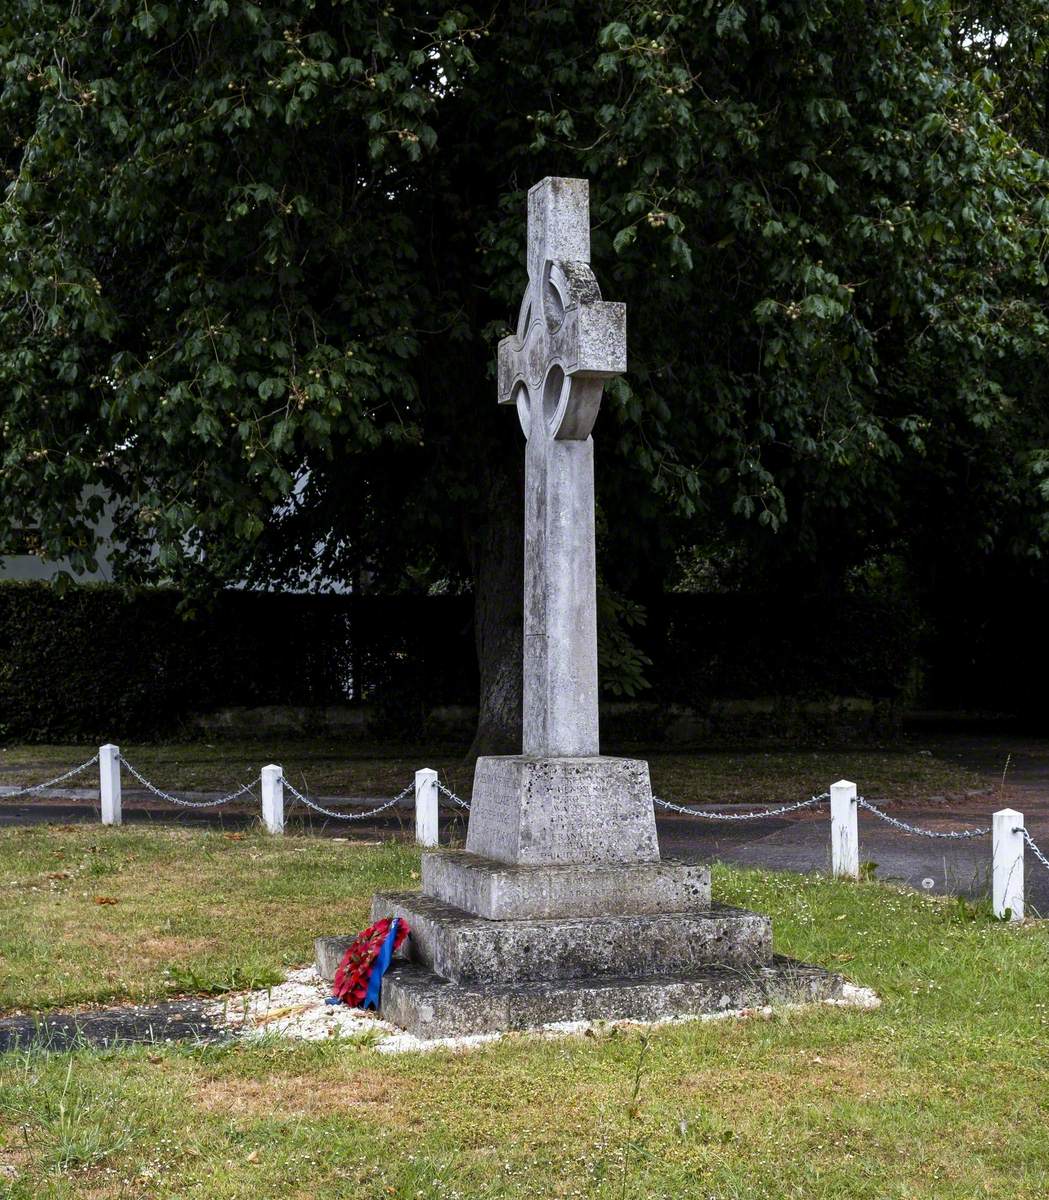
<point x="382" y="962"/>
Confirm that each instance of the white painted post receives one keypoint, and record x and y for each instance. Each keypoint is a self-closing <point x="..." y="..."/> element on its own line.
<point x="844" y="830"/>
<point x="426" y="807"/>
<point x="1008" y="864"/>
<point x="109" y="784"/>
<point x="273" y="798"/>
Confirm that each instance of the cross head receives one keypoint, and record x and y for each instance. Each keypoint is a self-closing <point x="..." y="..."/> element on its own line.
<point x="568" y="340"/>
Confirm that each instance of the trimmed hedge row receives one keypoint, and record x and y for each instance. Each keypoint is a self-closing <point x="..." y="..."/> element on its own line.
<point x="96" y="663"/>
<point x="738" y="647"/>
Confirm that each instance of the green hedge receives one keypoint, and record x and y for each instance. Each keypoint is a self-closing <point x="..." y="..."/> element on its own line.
<point x="711" y="647"/>
<point x="95" y="662"/>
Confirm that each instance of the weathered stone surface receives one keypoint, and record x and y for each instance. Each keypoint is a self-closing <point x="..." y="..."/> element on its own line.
<point x="560" y="697"/>
<point x="562" y="810"/>
<point x="568" y="342"/>
<point x="504" y="891"/>
<point x="431" y="1007"/>
<point x="328" y="952"/>
<point x="469" y="949"/>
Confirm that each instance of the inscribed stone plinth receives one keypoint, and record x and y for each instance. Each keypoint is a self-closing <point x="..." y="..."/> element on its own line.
<point x="562" y="810"/>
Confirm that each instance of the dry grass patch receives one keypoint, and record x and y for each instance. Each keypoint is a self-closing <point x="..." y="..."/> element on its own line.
<point x="159" y="950"/>
<point x="288" y="1096"/>
<point x="193" y="911"/>
<point x="827" y="1075"/>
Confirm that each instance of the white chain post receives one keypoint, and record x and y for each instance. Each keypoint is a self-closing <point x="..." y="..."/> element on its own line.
<point x="1007" y="864"/>
<point x="844" y="830"/>
<point x="426" y="807"/>
<point x="273" y="798"/>
<point x="109" y="784"/>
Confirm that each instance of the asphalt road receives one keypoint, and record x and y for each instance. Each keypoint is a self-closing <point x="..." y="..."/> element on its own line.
<point x="803" y="844"/>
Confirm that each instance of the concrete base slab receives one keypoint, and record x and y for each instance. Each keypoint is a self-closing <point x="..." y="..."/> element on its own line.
<point x="500" y="891"/>
<point x="562" y="810"/>
<point x="152" y="1024"/>
<point x="471" y="950"/>
<point x="431" y="1007"/>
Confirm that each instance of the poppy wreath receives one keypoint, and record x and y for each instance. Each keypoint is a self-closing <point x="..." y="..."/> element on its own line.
<point x="355" y="982"/>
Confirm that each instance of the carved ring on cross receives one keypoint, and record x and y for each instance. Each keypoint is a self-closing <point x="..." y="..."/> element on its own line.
<point x="568" y="340"/>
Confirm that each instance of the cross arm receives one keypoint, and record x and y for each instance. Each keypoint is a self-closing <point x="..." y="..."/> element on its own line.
<point x="574" y="330"/>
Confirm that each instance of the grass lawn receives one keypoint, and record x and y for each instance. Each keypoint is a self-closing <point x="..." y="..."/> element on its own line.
<point x="942" y="1093"/>
<point x="329" y="766"/>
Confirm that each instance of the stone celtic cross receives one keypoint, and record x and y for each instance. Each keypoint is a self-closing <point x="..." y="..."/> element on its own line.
<point x="568" y="342"/>
<point x="560" y="907"/>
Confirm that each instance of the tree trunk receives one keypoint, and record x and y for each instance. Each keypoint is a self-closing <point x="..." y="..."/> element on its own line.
<point x="498" y="615"/>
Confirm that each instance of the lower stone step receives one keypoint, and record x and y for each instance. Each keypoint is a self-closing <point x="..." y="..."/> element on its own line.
<point x="471" y="950"/>
<point x="432" y="1007"/>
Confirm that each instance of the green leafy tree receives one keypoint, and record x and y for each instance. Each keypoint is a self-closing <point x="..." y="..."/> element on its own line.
<point x="207" y="281"/>
<point x="256" y="258"/>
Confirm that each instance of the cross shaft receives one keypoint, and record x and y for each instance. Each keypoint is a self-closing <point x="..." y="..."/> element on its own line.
<point x="568" y="342"/>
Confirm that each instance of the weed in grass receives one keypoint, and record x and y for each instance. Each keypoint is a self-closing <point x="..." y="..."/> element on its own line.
<point x="366" y="1039"/>
<point x="76" y="1125"/>
<point x="962" y="911"/>
<point x="99" y="867"/>
<point x="428" y="1178"/>
<point x="633" y="1145"/>
<point x="212" y="977"/>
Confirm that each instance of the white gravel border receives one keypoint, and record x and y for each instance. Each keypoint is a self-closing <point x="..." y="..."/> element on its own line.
<point x="295" y="1009"/>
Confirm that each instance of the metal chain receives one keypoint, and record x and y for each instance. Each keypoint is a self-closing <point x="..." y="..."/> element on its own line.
<point x="736" y="816"/>
<point x="452" y="796"/>
<point x="1034" y="847"/>
<point x="246" y="788"/>
<point x="344" y="816"/>
<point x="954" y="834"/>
<point x="42" y="787"/>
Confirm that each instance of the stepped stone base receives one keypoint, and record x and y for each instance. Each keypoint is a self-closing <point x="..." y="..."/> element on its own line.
<point x="471" y="950"/>
<point x="560" y="910"/>
<point x="500" y="891"/>
<point x="432" y="1007"/>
